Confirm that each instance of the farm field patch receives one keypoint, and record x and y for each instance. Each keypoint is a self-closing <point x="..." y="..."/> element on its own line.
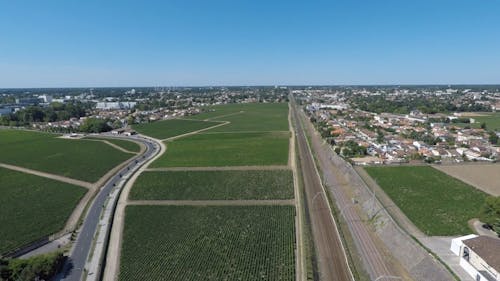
<point x="208" y="243"/>
<point x="492" y="121"/>
<point x="125" y="144"/>
<point x="249" y="117"/>
<point x="242" y="149"/>
<point x="171" y="128"/>
<point x="33" y="207"/>
<point x="435" y="202"/>
<point x="213" y="185"/>
<point x="79" y="159"/>
<point x="485" y="177"/>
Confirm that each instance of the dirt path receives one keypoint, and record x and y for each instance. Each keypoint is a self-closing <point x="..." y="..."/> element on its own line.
<point x="115" y="239"/>
<point x="112" y="145"/>
<point x="84" y="184"/>
<point x="214" y="202"/>
<point x="247" y="132"/>
<point x="224" y="168"/>
<point x="194" y="132"/>
<point x="301" y="269"/>
<point x="224" y="115"/>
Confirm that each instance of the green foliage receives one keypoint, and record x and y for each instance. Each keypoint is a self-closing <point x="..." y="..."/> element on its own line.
<point x="493" y="138"/>
<point x="249" y="117"/>
<point x="352" y="149"/>
<point x="79" y="159"/>
<point x="226" y="149"/>
<point x="490" y="213"/>
<point x="54" y="112"/>
<point x="33" y="207"/>
<point x="171" y="128"/>
<point x="42" y="267"/>
<point x="208" y="243"/>
<point x="95" y="125"/>
<point x="435" y="202"/>
<point x="213" y="185"/>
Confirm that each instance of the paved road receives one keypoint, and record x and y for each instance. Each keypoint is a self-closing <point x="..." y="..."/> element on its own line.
<point x="74" y="267"/>
<point x="332" y="261"/>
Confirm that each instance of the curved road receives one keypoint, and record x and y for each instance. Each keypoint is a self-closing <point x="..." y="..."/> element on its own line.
<point x="73" y="269"/>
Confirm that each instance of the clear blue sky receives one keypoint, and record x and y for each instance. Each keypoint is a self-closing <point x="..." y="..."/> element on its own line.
<point x="71" y="43"/>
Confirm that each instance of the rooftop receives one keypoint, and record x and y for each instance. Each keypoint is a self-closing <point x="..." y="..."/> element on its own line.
<point x="488" y="248"/>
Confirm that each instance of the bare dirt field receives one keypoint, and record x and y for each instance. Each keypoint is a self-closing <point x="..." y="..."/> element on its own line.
<point x="482" y="176"/>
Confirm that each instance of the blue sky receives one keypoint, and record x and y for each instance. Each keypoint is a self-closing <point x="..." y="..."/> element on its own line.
<point x="89" y="43"/>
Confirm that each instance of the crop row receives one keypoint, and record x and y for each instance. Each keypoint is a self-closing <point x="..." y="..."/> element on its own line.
<point x="208" y="243"/>
<point x="210" y="185"/>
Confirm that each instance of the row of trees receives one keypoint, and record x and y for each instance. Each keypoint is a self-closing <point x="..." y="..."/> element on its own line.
<point x="55" y="112"/>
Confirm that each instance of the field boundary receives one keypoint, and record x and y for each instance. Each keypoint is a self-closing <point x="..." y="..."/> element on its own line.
<point x="112" y="145"/>
<point x="113" y="251"/>
<point x="196" y="132"/>
<point x="246" y="132"/>
<point x="272" y="202"/>
<point x="55" y="177"/>
<point x="224" y="115"/>
<point x="223" y="168"/>
<point x="301" y="270"/>
<point x="390" y="206"/>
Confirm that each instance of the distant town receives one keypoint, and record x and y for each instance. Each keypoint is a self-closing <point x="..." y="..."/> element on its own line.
<point x="367" y="125"/>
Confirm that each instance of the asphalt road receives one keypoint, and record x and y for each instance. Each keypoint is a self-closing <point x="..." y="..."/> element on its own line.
<point x="332" y="261"/>
<point x="74" y="267"/>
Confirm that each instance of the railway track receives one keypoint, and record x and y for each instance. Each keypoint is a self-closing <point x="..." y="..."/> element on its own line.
<point x="332" y="260"/>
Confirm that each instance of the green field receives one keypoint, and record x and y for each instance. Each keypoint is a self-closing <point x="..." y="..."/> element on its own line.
<point x="249" y="117"/>
<point x="235" y="149"/>
<point x="492" y="121"/>
<point x="33" y="207"/>
<point x="208" y="243"/>
<point x="125" y="144"/>
<point x="213" y="185"/>
<point x="79" y="159"/>
<point x="171" y="128"/>
<point x="435" y="202"/>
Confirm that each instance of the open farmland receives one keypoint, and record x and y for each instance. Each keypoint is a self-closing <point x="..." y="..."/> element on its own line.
<point x="213" y="185"/>
<point x="171" y="128"/>
<point x="208" y="243"/>
<point x="79" y="159"/>
<point x="435" y="202"/>
<point x="249" y="117"/>
<point x="33" y="207"/>
<point x="484" y="176"/>
<point x="233" y="149"/>
<point x="492" y="120"/>
<point x="125" y="144"/>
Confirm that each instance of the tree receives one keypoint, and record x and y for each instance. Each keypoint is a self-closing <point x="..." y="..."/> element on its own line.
<point x="483" y="126"/>
<point x="493" y="137"/>
<point x="490" y="213"/>
<point x="95" y="125"/>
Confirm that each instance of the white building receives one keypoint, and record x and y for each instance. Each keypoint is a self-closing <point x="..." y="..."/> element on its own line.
<point x="115" y="105"/>
<point x="479" y="256"/>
